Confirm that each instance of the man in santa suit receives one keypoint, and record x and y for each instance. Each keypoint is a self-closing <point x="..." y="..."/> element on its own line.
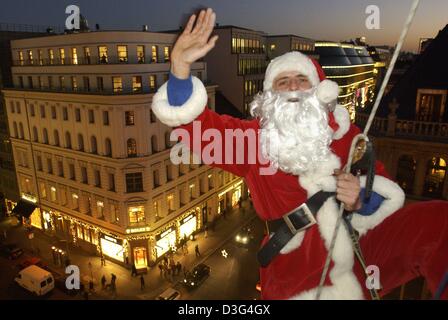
<point x="306" y="137"/>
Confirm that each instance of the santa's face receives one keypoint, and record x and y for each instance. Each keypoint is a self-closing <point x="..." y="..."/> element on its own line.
<point x="291" y="81"/>
<point x="295" y="134"/>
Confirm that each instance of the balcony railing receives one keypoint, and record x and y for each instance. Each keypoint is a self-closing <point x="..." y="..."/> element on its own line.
<point x="87" y="61"/>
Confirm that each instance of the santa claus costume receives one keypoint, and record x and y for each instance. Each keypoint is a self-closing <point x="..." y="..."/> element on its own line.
<point x="402" y="242"/>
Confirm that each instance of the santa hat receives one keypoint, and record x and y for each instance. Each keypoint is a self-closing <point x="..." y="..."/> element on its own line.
<point x="327" y="91"/>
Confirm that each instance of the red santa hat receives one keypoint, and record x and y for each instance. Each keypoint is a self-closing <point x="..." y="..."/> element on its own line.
<point x="327" y="91"/>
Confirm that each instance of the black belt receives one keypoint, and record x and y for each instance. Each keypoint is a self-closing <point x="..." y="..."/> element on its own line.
<point x="290" y="224"/>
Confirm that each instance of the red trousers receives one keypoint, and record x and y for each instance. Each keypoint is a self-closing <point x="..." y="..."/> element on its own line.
<point x="412" y="242"/>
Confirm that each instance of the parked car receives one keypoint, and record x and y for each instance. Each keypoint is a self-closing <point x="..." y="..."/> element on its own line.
<point x="11" y="251"/>
<point x="197" y="276"/>
<point x="169" y="294"/>
<point x="36" y="280"/>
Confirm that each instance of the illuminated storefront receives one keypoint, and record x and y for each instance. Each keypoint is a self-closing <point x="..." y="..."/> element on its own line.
<point x="140" y="259"/>
<point x="165" y="241"/>
<point x="187" y="226"/>
<point x="236" y="195"/>
<point x="48" y="224"/>
<point x="36" y="219"/>
<point x="112" y="247"/>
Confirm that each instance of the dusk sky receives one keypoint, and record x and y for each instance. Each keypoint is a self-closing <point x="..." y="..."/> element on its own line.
<point x="318" y="19"/>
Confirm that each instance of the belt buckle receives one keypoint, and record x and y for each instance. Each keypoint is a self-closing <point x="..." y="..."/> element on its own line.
<point x="308" y="214"/>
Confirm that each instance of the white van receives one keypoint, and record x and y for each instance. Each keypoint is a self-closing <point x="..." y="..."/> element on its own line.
<point x="36" y="280"/>
<point x="169" y="294"/>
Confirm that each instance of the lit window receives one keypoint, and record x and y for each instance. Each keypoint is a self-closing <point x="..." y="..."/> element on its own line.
<point x="53" y="194"/>
<point x="152" y="82"/>
<point x="21" y="58"/>
<point x="136" y="214"/>
<point x="51" y="56"/>
<point x="74" y="84"/>
<point x="154" y="53"/>
<point x="117" y="84"/>
<point x="132" y="148"/>
<point x="87" y="55"/>
<point x="141" y="54"/>
<point x="62" y="55"/>
<point x="166" y="53"/>
<point x="40" y="56"/>
<point x="30" y="57"/>
<point x="100" y="208"/>
<point x="273" y="47"/>
<point x="102" y="54"/>
<point x="129" y="117"/>
<point x="137" y="84"/>
<point x="170" y="202"/>
<point x="74" y="56"/>
<point x="122" y="54"/>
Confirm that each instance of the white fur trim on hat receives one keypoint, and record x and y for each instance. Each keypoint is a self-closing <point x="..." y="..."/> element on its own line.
<point x="291" y="61"/>
<point x="342" y="118"/>
<point x="327" y="91"/>
<point x="174" y="116"/>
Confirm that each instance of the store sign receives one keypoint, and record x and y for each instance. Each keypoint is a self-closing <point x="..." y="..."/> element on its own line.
<point x="111" y="239"/>
<point x="137" y="230"/>
<point x="185" y="220"/>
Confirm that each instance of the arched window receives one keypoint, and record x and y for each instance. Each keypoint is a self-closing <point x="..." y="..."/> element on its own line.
<point x="406" y="172"/>
<point x="56" y="138"/>
<point x="435" y="177"/>
<point x="21" y="132"/>
<point x="108" y="147"/>
<point x="80" y="142"/>
<point x="16" y="132"/>
<point x="93" y="145"/>
<point x="45" y="136"/>
<point x="68" y="140"/>
<point x="132" y="148"/>
<point x="154" y="146"/>
<point x="35" y="135"/>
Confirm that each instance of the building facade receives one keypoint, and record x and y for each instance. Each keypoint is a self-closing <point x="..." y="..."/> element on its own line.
<point x="93" y="158"/>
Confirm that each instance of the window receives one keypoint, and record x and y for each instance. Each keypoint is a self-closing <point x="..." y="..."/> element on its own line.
<point x="16" y="132"/>
<point x="170" y="201"/>
<point x="50" y="82"/>
<point x="71" y="169"/>
<point x="141" y="54"/>
<point x="56" y="138"/>
<point x="210" y="181"/>
<point x="84" y="177"/>
<point x="35" y="135"/>
<point x="169" y="172"/>
<point x="111" y="182"/>
<point x="154" y="146"/>
<point x="435" y="178"/>
<point x="65" y="113"/>
<point x="45" y="136"/>
<point x="32" y="110"/>
<point x="134" y="182"/>
<point x="97" y="178"/>
<point x="132" y="148"/>
<point x="74" y="84"/>
<point x="49" y="166"/>
<point x="60" y="168"/>
<point x="166" y="76"/>
<point x="51" y="56"/>
<point x="39" y="163"/>
<point x="78" y="115"/>
<point x="102" y="54"/>
<point x="40" y="82"/>
<point x="106" y="118"/>
<point x="100" y="209"/>
<point x="156" y="178"/>
<point x="87" y="55"/>
<point x="53" y="194"/>
<point x="80" y="142"/>
<point x="21" y="85"/>
<point x="75" y="201"/>
<point x="191" y="191"/>
<point x="30" y="57"/>
<point x="199" y="75"/>
<point x="108" y="147"/>
<point x="93" y="145"/>
<point x="122" y="54"/>
<point x="86" y="81"/>
<point x="114" y="213"/>
<point x="430" y="105"/>
<point x="166" y="54"/>
<point x="74" y="56"/>
<point x="42" y="111"/>
<point x="117" y="84"/>
<point x="21" y="132"/>
<point x="91" y="116"/>
<point x="53" y="112"/>
<point x="11" y="105"/>
<point x="21" y="58"/>
<point x="100" y="83"/>
<point x="154" y="54"/>
<point x="43" y="190"/>
<point x="30" y="82"/>
<point x="62" y="55"/>
<point x="129" y="118"/>
<point x="152" y="82"/>
<point x="68" y="140"/>
<point x="62" y="82"/>
<point x="137" y="84"/>
<point x="136" y="214"/>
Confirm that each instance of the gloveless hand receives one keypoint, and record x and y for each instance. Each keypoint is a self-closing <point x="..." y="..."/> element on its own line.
<point x="348" y="188"/>
<point x="193" y="43"/>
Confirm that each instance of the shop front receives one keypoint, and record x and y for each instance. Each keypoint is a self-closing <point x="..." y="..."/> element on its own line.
<point x="112" y="247"/>
<point x="236" y="195"/>
<point x="187" y="226"/>
<point x="165" y="241"/>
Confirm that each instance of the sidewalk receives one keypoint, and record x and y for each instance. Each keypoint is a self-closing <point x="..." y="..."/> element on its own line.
<point x="128" y="287"/>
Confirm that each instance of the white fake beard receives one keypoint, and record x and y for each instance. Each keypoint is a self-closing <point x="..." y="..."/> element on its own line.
<point x="295" y="135"/>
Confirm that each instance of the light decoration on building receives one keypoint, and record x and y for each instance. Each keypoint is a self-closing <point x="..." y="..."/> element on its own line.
<point x="29" y="197"/>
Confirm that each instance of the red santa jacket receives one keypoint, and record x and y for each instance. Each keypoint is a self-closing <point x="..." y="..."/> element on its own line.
<point x="295" y="273"/>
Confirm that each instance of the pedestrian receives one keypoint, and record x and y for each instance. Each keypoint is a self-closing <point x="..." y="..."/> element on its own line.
<point x="103" y="282"/>
<point x="185" y="271"/>
<point x="196" y="250"/>
<point x="206" y="230"/>
<point x="142" y="282"/>
<point x="103" y="260"/>
<point x="161" y="269"/>
<point x="134" y="271"/>
<point x="178" y="267"/>
<point x="165" y="260"/>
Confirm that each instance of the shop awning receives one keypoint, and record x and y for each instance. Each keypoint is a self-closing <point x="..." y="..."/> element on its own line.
<point x="24" y="208"/>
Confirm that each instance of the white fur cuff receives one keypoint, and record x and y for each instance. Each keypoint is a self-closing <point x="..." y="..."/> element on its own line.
<point x="342" y="118"/>
<point x="175" y="116"/>
<point x="394" y="200"/>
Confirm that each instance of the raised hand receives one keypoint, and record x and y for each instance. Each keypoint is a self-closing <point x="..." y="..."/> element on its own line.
<point x="193" y="43"/>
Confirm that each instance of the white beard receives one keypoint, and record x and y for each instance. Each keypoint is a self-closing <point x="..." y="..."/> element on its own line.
<point x="295" y="135"/>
